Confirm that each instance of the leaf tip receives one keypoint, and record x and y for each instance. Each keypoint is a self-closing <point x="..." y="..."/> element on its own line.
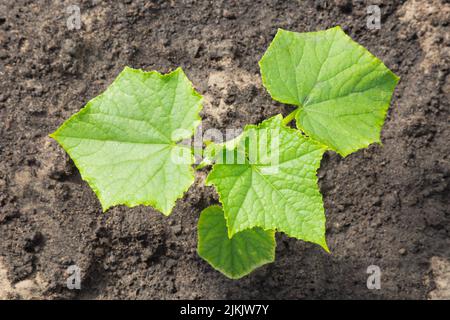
<point x="178" y="70"/>
<point x="325" y="247"/>
<point x="166" y="212"/>
<point x="53" y="135"/>
<point x="105" y="206"/>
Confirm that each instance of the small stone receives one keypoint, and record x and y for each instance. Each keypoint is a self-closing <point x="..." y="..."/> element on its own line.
<point x="402" y="251"/>
<point x="221" y="50"/>
<point x="147" y="254"/>
<point x="3" y="97"/>
<point x="337" y="227"/>
<point x="170" y="263"/>
<point x="3" y="54"/>
<point x="193" y="48"/>
<point x="98" y="252"/>
<point x="228" y="14"/>
<point x="69" y="47"/>
<point x="376" y="201"/>
<point x="177" y="229"/>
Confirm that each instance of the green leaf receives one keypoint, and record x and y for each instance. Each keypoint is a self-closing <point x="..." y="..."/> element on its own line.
<point x="124" y="141"/>
<point x="274" y="190"/>
<point x="235" y="257"/>
<point x="342" y="90"/>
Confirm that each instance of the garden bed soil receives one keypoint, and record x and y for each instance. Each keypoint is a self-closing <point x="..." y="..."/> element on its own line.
<point x="386" y="205"/>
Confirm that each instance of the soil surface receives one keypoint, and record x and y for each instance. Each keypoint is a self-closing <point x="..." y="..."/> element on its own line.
<point x="387" y="205"/>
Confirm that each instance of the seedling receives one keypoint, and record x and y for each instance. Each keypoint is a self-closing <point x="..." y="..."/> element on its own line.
<point x="126" y="144"/>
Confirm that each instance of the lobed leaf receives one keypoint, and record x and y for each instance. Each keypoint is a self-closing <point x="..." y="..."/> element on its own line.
<point x="124" y="141"/>
<point x="342" y="90"/>
<point x="235" y="257"/>
<point x="276" y="191"/>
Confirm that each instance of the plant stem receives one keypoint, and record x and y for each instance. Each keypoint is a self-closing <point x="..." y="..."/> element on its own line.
<point x="290" y="117"/>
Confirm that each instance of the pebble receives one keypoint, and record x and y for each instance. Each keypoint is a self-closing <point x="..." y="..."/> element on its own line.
<point x="228" y="14"/>
<point x="177" y="229"/>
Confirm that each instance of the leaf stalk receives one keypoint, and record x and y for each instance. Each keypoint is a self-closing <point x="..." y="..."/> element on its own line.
<point x="289" y="117"/>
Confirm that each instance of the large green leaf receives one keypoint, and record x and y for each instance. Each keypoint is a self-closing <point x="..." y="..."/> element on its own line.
<point x="274" y="190"/>
<point x="235" y="257"/>
<point x="342" y="90"/>
<point x="124" y="141"/>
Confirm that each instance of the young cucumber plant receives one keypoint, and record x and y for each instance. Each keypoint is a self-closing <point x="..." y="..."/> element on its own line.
<point x="125" y="143"/>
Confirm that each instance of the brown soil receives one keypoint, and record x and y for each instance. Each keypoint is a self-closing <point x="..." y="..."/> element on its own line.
<point x="387" y="205"/>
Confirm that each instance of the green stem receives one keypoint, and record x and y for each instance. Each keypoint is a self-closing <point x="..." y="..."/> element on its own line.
<point x="290" y="117"/>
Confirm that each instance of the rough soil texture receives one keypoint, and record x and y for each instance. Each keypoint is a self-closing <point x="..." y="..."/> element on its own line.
<point x="387" y="205"/>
